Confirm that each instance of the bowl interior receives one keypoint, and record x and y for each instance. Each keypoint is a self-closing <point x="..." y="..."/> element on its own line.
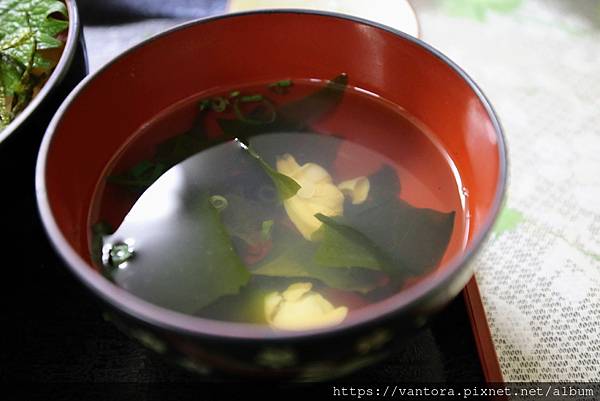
<point x="104" y="112"/>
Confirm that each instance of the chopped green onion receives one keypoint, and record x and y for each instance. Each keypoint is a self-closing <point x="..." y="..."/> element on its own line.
<point x="282" y="84"/>
<point x="250" y="99"/>
<point x="219" y="104"/>
<point x="218" y="202"/>
<point x="281" y="87"/>
<point x="234" y="94"/>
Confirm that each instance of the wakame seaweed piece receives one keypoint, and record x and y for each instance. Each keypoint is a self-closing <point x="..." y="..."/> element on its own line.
<point x="99" y="231"/>
<point x="293" y="257"/>
<point x="246" y="307"/>
<point x="182" y="269"/>
<point x="168" y="153"/>
<point x="285" y="185"/>
<point x="140" y="176"/>
<point x="342" y="246"/>
<point x="178" y="148"/>
<point x="249" y="305"/>
<point x="245" y="218"/>
<point x="308" y="110"/>
<point x="295" y="116"/>
<point x="414" y="239"/>
<point x="260" y="120"/>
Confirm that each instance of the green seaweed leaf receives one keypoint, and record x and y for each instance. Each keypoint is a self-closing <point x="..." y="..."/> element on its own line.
<point x="206" y="266"/>
<point x="343" y="246"/>
<point x="140" y="176"/>
<point x="168" y="153"/>
<point x="303" y="112"/>
<point x="99" y="231"/>
<point x="285" y="185"/>
<point x="414" y="239"/>
<point x="298" y="261"/>
<point x="249" y="305"/>
<point x="296" y="116"/>
<point x="247" y="219"/>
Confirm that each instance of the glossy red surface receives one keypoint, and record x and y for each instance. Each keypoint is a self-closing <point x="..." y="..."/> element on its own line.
<point x="103" y="114"/>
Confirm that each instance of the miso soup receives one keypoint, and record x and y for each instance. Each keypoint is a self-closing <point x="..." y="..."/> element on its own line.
<point x="289" y="204"/>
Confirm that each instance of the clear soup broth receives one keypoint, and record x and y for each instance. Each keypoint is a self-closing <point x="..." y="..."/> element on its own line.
<point x="289" y="204"/>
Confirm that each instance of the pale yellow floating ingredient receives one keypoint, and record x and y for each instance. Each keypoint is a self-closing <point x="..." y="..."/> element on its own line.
<point x="300" y="308"/>
<point x="357" y="189"/>
<point x="318" y="194"/>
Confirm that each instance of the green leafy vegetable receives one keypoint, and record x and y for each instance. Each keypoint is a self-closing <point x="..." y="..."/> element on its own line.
<point x="296" y="116"/>
<point x="249" y="305"/>
<point x="301" y="113"/>
<point x="99" y="231"/>
<point x="286" y="186"/>
<point x="247" y="219"/>
<point x="246" y="307"/>
<point x="343" y="246"/>
<point x="263" y="118"/>
<point x="206" y="267"/>
<point x="414" y="239"/>
<point x="140" y="176"/>
<point x="27" y="27"/>
<point x="298" y="261"/>
<point x="169" y="153"/>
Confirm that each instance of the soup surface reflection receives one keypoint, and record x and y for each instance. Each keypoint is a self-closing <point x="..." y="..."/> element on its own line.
<point x="289" y="204"/>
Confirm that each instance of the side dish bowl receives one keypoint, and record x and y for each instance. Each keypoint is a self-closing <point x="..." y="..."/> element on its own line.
<point x="70" y="69"/>
<point x="107" y="108"/>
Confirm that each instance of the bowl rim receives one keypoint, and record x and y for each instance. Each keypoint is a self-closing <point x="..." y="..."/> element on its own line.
<point x="57" y="75"/>
<point x="187" y="325"/>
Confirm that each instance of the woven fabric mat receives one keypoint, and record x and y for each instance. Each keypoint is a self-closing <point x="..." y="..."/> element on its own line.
<point x="539" y="63"/>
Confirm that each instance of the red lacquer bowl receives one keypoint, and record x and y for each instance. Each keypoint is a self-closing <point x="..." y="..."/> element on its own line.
<point x="107" y="108"/>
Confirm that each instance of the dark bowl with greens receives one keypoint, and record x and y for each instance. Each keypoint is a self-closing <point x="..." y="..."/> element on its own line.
<point x="41" y="59"/>
<point x="291" y="206"/>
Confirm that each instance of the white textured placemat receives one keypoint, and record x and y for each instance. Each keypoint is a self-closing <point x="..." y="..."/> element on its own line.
<point x="539" y="63"/>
